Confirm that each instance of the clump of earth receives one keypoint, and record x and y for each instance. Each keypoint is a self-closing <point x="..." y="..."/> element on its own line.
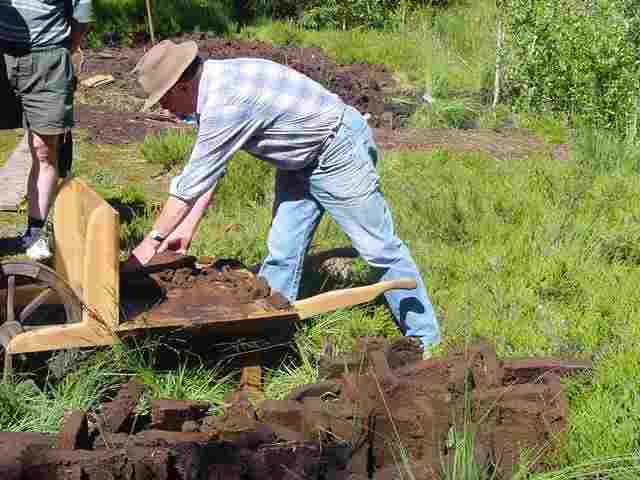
<point x="381" y="412"/>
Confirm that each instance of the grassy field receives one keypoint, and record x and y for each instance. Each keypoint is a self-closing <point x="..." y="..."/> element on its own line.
<point x="536" y="255"/>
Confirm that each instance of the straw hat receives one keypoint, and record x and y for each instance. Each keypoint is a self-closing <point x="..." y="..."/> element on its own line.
<point x="161" y="67"/>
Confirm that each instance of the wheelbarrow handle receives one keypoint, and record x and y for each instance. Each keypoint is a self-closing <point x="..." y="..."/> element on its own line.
<point x="348" y="297"/>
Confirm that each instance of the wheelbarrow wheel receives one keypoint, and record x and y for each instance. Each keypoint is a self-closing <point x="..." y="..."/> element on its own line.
<point x="51" y="290"/>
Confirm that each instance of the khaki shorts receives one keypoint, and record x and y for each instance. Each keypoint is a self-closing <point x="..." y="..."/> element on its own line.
<point x="36" y="90"/>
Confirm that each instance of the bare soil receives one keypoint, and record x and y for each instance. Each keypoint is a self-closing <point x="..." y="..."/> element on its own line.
<point x="112" y="114"/>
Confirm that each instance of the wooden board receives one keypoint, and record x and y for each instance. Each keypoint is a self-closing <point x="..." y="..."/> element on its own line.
<point x="87" y="246"/>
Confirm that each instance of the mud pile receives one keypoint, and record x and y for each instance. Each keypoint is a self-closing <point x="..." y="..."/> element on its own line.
<point x="393" y="406"/>
<point x="181" y="442"/>
<point x="111" y="115"/>
<point x="379" y="406"/>
<point x="174" y="285"/>
<point x="361" y="85"/>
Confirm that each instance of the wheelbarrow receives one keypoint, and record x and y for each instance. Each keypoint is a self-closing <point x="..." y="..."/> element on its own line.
<point x="84" y="289"/>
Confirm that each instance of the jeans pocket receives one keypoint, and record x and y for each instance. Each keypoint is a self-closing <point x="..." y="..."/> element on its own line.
<point x="348" y="174"/>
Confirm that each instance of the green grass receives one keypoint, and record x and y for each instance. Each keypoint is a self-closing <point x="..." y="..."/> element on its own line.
<point x="168" y="149"/>
<point x="604" y="152"/>
<point x="442" y="52"/>
<point x="605" y="414"/>
<point x="9" y="140"/>
<point x="26" y="406"/>
<point x="536" y="255"/>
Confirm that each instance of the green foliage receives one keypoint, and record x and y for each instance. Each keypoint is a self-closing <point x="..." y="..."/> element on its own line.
<point x="605" y="414"/>
<point x="279" y="33"/>
<point x="624" y="467"/>
<point x="280" y="9"/>
<point x="346" y="14"/>
<point x="125" y="21"/>
<point x="248" y="181"/>
<point x="279" y="382"/>
<point x="343" y="14"/>
<point x="237" y="225"/>
<point x="339" y="13"/>
<point x="551" y="127"/>
<point x="9" y="140"/>
<point x="25" y="407"/>
<point x="603" y="152"/>
<point x="575" y="57"/>
<point x="15" y="403"/>
<point x="449" y="62"/>
<point x="462" y="462"/>
<point x="168" y="149"/>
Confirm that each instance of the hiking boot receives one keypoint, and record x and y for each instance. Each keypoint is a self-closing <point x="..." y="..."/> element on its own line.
<point x="39" y="250"/>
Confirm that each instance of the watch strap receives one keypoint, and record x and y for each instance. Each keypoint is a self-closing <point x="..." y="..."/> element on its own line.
<point x="156" y="235"/>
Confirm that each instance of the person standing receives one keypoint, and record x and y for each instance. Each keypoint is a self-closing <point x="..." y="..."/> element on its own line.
<point x="325" y="157"/>
<point x="37" y="84"/>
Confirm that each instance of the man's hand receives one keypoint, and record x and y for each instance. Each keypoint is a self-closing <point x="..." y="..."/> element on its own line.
<point x="142" y="254"/>
<point x="176" y="242"/>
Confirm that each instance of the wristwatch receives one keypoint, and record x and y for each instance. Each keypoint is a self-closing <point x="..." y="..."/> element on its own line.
<point x="156" y="235"/>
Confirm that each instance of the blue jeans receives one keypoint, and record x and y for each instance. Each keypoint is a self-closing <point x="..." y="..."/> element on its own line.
<point x="344" y="183"/>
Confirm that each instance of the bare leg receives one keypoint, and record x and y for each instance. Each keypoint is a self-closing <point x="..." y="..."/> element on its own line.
<point x="43" y="178"/>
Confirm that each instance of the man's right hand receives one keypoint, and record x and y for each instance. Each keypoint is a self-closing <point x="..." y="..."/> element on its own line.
<point x="177" y="241"/>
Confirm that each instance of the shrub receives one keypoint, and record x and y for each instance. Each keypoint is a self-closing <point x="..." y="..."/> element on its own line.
<point x="346" y="14"/>
<point x="125" y="21"/>
<point x="576" y="57"/>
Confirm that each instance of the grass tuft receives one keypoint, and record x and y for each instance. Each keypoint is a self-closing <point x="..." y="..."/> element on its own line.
<point x="169" y="149"/>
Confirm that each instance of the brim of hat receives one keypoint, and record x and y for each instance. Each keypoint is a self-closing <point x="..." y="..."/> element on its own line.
<point x="188" y="51"/>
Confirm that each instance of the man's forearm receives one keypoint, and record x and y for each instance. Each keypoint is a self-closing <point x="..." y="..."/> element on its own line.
<point x="192" y="219"/>
<point x="172" y="215"/>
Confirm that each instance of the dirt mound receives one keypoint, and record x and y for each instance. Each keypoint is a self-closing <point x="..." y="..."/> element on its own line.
<point x="172" y="278"/>
<point x="381" y="406"/>
<point x="423" y="408"/>
<point x="115" y="128"/>
<point x="112" y="114"/>
<point x="361" y="85"/>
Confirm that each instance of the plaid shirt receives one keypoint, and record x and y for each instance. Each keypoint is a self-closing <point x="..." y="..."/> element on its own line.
<point x="271" y="111"/>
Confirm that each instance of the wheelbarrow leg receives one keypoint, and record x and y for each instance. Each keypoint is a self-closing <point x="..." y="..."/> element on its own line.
<point x="8" y="330"/>
<point x="8" y="367"/>
<point x="250" y="379"/>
